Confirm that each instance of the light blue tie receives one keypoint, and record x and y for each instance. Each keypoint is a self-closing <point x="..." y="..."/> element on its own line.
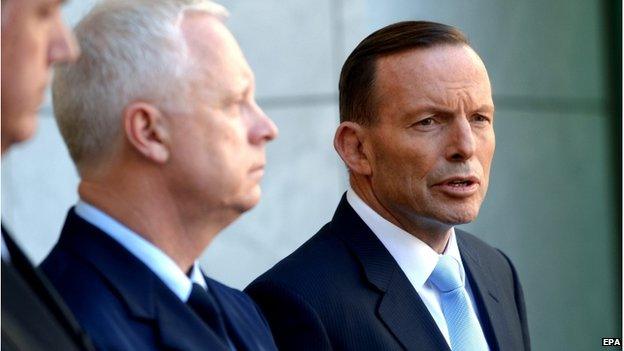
<point x="463" y="325"/>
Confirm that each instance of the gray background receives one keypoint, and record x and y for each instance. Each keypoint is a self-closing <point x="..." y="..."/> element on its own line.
<point x="552" y="204"/>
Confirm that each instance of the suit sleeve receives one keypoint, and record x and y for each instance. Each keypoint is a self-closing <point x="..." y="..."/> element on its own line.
<point x="293" y="322"/>
<point x="519" y="297"/>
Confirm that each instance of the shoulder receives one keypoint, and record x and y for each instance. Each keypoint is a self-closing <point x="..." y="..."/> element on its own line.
<point x="292" y="295"/>
<point x="93" y="301"/>
<point x="321" y="262"/>
<point x="73" y="277"/>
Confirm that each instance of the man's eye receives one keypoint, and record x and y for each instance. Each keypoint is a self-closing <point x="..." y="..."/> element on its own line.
<point x="46" y="11"/>
<point x="480" y="118"/>
<point x="426" y="122"/>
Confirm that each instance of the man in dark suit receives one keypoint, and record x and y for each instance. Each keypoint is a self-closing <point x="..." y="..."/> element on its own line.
<point x="33" y="39"/>
<point x="160" y="119"/>
<point x="390" y="271"/>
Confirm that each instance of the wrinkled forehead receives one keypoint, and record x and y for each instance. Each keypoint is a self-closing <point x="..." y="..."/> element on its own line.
<point x="437" y="72"/>
<point x="441" y="62"/>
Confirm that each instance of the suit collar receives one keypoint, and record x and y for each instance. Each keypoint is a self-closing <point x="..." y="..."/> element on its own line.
<point x="414" y="256"/>
<point x="376" y="261"/>
<point x="133" y="281"/>
<point x="400" y="308"/>
<point x="152" y="256"/>
<point x="146" y="297"/>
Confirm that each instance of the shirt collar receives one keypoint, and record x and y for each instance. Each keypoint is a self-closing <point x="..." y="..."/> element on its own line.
<point x="153" y="257"/>
<point x="416" y="258"/>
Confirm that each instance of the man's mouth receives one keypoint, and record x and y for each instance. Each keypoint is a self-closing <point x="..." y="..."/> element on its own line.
<point x="458" y="186"/>
<point x="258" y="167"/>
<point x="257" y="170"/>
<point x="460" y="182"/>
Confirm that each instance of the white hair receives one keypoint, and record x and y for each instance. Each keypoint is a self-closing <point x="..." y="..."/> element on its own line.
<point x="130" y="50"/>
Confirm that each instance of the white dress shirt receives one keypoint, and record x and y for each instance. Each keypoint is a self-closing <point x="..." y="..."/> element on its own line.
<point x="153" y="257"/>
<point x="415" y="258"/>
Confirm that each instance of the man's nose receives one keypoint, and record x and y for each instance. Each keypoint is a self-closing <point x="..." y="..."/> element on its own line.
<point x="461" y="141"/>
<point x="263" y="129"/>
<point x="63" y="44"/>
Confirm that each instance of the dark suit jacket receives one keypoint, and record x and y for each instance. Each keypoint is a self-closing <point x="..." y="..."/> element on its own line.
<point x="34" y="317"/>
<point x="343" y="290"/>
<point x="123" y="305"/>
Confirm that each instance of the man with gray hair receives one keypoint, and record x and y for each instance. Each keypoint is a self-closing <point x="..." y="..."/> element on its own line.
<point x="160" y="119"/>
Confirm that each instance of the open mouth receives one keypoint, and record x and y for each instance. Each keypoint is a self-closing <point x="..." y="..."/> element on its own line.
<point x="460" y="183"/>
<point x="459" y="186"/>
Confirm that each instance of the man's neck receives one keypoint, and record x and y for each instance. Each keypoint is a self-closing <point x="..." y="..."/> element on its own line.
<point x="153" y="215"/>
<point x="433" y="233"/>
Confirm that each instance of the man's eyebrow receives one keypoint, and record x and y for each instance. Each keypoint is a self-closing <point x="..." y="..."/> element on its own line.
<point x="249" y="83"/>
<point x="486" y="108"/>
<point x="430" y="108"/>
<point x="433" y="108"/>
<point x="443" y="109"/>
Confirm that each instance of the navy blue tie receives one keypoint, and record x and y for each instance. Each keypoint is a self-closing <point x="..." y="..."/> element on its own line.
<point x="206" y="307"/>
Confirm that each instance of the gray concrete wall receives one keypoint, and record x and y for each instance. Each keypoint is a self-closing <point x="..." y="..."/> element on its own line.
<point x="550" y="206"/>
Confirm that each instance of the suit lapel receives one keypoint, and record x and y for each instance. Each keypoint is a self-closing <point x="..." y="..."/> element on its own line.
<point x="244" y="331"/>
<point x="401" y="309"/>
<point x="487" y="294"/>
<point x="180" y="329"/>
<point x="147" y="298"/>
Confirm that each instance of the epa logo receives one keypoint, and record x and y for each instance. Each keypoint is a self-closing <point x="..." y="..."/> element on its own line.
<point x="611" y="342"/>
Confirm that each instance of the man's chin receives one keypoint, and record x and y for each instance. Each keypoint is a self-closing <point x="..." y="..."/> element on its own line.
<point x="461" y="217"/>
<point x="249" y="201"/>
<point x="456" y="215"/>
<point x="20" y="130"/>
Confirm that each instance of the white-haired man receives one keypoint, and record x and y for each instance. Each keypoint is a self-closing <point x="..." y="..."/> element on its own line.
<point x="160" y="119"/>
<point x="34" y="38"/>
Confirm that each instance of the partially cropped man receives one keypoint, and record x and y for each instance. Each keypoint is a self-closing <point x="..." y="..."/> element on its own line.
<point x="160" y="120"/>
<point x="390" y="271"/>
<point x="33" y="39"/>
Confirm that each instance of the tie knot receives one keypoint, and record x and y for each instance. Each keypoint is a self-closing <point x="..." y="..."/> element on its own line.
<point x="201" y="299"/>
<point x="445" y="275"/>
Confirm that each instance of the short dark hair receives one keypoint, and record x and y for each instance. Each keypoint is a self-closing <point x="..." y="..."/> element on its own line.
<point x="357" y="78"/>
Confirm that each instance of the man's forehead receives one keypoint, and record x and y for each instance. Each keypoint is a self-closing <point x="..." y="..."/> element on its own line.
<point x="442" y="58"/>
<point x="33" y="3"/>
<point x="216" y="54"/>
<point x="48" y="2"/>
<point x="205" y="34"/>
<point x="436" y="76"/>
<point x="450" y="66"/>
<point x="192" y="21"/>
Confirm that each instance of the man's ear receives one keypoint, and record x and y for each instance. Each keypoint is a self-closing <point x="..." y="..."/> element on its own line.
<point x="147" y="130"/>
<point x="349" y="143"/>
